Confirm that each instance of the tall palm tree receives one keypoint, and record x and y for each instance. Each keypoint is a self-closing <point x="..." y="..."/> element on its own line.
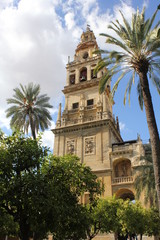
<point x="138" y="54"/>
<point x="29" y="109"/>
<point x="144" y="180"/>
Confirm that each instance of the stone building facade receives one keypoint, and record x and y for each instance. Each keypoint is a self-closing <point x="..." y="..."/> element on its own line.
<point x="88" y="128"/>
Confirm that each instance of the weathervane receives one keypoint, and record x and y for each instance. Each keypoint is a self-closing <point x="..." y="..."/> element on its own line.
<point x="88" y="27"/>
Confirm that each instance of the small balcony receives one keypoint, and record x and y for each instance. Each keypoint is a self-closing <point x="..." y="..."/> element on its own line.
<point x="122" y="180"/>
<point x="74" y="110"/>
<point x="89" y="107"/>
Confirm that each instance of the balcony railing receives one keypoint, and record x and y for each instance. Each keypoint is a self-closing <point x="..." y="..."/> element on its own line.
<point x="75" y="121"/>
<point x="120" y="180"/>
<point x="122" y="147"/>
<point x="90" y="107"/>
<point x="89" y="119"/>
<point x="74" y="110"/>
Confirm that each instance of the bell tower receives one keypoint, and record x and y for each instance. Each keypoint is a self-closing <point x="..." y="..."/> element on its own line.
<point x="87" y="127"/>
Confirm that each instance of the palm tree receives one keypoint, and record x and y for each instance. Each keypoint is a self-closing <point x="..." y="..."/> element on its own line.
<point x="29" y="109"/>
<point x="144" y="180"/>
<point x="139" y="44"/>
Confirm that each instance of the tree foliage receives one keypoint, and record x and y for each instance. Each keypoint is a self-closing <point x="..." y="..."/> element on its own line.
<point x="29" y="109"/>
<point x="144" y="180"/>
<point x="136" y="53"/>
<point x="39" y="193"/>
<point x="138" y="50"/>
<point x="125" y="218"/>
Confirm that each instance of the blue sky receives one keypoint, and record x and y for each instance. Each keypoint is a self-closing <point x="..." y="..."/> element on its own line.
<point x="36" y="38"/>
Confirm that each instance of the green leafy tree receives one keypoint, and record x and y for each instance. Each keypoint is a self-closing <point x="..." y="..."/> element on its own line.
<point x="7" y="224"/>
<point x="20" y="161"/>
<point x="106" y="212"/>
<point x="139" y="50"/>
<point x="125" y="218"/>
<point x="153" y="222"/>
<point x="40" y="193"/>
<point x="101" y="217"/>
<point x="93" y="224"/>
<point x="133" y="219"/>
<point x="137" y="220"/>
<point x="144" y="180"/>
<point x="71" y="180"/>
<point x="29" y="109"/>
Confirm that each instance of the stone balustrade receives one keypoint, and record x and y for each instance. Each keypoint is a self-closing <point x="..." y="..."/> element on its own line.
<point x="122" y="147"/>
<point x="120" y="180"/>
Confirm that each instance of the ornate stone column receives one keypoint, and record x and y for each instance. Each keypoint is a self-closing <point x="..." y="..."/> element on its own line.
<point x="77" y="76"/>
<point x="105" y="107"/>
<point x="88" y="72"/>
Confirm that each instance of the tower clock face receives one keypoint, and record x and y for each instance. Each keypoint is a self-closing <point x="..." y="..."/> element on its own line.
<point x="85" y="55"/>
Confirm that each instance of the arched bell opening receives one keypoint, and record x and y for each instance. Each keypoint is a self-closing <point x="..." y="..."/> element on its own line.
<point x="83" y="74"/>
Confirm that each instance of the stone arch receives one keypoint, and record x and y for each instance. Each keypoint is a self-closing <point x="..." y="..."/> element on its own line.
<point x="122" y="168"/>
<point x="125" y="194"/>
<point x="83" y="74"/>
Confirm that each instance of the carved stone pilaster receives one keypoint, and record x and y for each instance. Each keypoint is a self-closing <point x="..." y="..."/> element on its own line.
<point x="99" y="109"/>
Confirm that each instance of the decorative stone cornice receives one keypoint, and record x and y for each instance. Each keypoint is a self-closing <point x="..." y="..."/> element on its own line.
<point x="79" y="63"/>
<point x="87" y="125"/>
<point x="81" y="85"/>
<point x="105" y="170"/>
<point x="122" y="152"/>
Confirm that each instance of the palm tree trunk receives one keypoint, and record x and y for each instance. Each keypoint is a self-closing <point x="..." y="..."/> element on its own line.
<point x="32" y="127"/>
<point x="153" y="131"/>
<point x="140" y="236"/>
<point x="33" y="134"/>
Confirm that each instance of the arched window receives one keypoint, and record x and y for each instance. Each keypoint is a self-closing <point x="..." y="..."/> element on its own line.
<point x="125" y="194"/>
<point x="122" y="168"/>
<point x="83" y="74"/>
<point x="72" y="79"/>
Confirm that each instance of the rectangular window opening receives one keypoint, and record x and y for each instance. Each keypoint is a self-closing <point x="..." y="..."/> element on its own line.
<point x="90" y="102"/>
<point x="75" y="105"/>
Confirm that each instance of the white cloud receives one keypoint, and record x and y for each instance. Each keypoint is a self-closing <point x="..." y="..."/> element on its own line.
<point x="69" y="20"/>
<point x="122" y="126"/>
<point x="48" y="137"/>
<point x="4" y="122"/>
<point x="36" y="38"/>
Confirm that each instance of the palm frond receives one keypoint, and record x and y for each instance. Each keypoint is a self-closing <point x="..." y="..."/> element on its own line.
<point x="127" y="25"/>
<point x="14" y="101"/>
<point x="18" y="94"/>
<point x="156" y="82"/>
<point x="103" y="82"/>
<point x="112" y="40"/>
<point x="128" y="88"/>
<point x="150" y="22"/>
<point x="101" y="64"/>
<point x="140" y="95"/>
<point x="115" y="86"/>
<point x="29" y="109"/>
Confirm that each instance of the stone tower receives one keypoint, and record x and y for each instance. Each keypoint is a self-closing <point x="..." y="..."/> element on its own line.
<point x="87" y="127"/>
